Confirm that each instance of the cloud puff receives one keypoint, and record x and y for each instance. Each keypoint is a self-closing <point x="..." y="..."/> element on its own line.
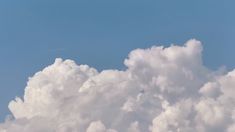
<point x="162" y="89"/>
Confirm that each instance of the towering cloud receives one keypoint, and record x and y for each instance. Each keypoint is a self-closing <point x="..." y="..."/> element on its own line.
<point x="161" y="90"/>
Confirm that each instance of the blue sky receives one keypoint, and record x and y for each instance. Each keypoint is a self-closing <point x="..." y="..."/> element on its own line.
<point x="101" y="33"/>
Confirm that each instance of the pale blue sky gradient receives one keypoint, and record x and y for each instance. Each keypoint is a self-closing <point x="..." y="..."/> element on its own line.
<point x="101" y="33"/>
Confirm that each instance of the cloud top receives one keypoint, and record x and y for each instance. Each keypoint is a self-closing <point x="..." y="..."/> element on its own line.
<point x="162" y="89"/>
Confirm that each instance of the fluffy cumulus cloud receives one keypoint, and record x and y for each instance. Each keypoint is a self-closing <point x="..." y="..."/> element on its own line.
<point x="163" y="89"/>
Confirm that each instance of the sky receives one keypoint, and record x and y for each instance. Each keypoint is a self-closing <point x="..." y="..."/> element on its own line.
<point x="102" y="34"/>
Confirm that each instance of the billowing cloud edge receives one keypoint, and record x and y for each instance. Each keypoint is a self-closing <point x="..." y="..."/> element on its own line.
<point x="163" y="89"/>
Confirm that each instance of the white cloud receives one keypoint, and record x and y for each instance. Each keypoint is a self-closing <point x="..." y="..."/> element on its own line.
<point x="98" y="126"/>
<point x="162" y="90"/>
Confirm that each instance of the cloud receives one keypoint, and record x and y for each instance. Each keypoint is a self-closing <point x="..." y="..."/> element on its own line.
<point x="162" y="89"/>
